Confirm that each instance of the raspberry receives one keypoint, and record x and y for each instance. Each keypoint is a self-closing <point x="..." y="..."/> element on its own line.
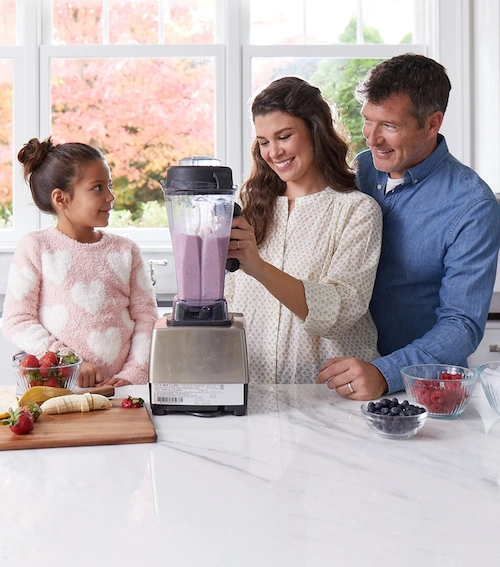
<point x="440" y="397"/>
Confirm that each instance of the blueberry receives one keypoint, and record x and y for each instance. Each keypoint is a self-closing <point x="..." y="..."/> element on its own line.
<point x="394" y="417"/>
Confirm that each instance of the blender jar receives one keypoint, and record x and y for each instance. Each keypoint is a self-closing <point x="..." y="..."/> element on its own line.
<point x="200" y="203"/>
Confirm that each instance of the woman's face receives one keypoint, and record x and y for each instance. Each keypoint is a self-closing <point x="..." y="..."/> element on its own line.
<point x="286" y="146"/>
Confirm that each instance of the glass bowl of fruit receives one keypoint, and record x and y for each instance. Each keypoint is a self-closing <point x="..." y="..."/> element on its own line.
<point x="489" y="375"/>
<point x="445" y="390"/>
<point x="394" y="420"/>
<point x="52" y="369"/>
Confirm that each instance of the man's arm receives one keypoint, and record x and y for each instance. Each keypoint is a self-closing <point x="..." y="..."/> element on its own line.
<point x="465" y="296"/>
<point x="466" y="289"/>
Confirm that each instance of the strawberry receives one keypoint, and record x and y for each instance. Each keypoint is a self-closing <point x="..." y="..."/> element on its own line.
<point x="35" y="379"/>
<point x="30" y="361"/>
<point x="131" y="402"/>
<point x="28" y="365"/>
<point x="49" y="359"/>
<point x="45" y="370"/>
<point x="53" y="382"/>
<point x="47" y="363"/>
<point x="65" y="371"/>
<point x="34" y="409"/>
<point x="448" y="376"/>
<point x="21" y="421"/>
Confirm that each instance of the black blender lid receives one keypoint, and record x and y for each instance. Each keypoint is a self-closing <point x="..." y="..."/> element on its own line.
<point x="198" y="179"/>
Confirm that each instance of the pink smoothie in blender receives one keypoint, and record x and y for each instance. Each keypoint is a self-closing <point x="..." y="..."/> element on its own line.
<point x="200" y="267"/>
<point x="200" y="202"/>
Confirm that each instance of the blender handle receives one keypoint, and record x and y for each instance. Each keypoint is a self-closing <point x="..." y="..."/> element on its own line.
<point x="232" y="264"/>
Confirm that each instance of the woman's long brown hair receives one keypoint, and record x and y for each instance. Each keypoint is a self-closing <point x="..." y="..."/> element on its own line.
<point x="298" y="98"/>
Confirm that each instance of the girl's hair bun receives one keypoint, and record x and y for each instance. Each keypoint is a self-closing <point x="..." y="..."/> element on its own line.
<point x="34" y="153"/>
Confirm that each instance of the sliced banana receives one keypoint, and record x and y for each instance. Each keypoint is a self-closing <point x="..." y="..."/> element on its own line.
<point x="75" y="403"/>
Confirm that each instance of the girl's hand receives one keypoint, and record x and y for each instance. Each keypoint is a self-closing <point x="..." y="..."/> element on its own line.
<point x="116" y="382"/>
<point x="244" y="247"/>
<point x="89" y="376"/>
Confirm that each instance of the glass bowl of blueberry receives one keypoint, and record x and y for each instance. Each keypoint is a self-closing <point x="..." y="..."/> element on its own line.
<point x="394" y="420"/>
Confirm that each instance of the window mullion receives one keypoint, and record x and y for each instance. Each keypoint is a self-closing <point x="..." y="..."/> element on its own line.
<point x="27" y="112"/>
<point x="232" y="86"/>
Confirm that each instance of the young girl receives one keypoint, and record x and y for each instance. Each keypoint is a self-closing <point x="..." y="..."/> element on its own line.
<point x="308" y="242"/>
<point x="73" y="286"/>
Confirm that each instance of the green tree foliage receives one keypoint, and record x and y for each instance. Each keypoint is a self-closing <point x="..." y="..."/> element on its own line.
<point x="6" y="124"/>
<point x="146" y="114"/>
<point x="338" y="78"/>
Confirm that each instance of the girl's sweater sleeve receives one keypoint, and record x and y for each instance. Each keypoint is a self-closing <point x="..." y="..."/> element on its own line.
<point x="144" y="313"/>
<point x="21" y="323"/>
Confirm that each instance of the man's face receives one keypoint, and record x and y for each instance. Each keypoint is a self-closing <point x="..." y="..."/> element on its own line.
<point x="392" y="133"/>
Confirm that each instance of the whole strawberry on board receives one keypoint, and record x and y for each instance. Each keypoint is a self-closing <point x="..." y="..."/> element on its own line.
<point x="20" y="421"/>
<point x="33" y="408"/>
<point x="131" y="402"/>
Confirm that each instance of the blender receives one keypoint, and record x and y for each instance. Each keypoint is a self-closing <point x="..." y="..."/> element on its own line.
<point x="198" y="357"/>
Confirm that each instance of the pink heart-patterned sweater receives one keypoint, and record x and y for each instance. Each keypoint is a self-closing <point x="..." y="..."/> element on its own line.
<point x="94" y="299"/>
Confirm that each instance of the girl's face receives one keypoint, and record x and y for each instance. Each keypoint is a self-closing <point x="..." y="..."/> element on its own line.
<point x="91" y="201"/>
<point x="286" y="146"/>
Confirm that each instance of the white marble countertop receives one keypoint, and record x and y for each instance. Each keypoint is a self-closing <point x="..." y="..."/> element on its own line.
<point x="299" y="482"/>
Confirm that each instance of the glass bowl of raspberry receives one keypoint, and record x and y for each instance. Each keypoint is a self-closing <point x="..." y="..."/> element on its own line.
<point x="445" y="390"/>
<point x="51" y="369"/>
<point x="394" y="420"/>
<point x="489" y="374"/>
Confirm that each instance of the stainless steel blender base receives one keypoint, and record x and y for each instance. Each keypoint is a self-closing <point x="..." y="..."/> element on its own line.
<point x="198" y="369"/>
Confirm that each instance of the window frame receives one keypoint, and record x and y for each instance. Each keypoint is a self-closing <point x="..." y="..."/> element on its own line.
<point x="442" y="33"/>
<point x="147" y="238"/>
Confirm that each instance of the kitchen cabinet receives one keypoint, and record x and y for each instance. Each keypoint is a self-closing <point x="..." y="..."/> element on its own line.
<point x="7" y="350"/>
<point x="489" y="348"/>
<point x="298" y="482"/>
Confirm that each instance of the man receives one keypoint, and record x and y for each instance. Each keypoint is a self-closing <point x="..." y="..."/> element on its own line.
<point x="441" y="232"/>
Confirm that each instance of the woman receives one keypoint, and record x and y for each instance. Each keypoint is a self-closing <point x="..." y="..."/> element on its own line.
<point x="308" y="242"/>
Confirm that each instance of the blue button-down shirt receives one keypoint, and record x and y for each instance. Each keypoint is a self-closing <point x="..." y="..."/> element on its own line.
<point x="438" y="263"/>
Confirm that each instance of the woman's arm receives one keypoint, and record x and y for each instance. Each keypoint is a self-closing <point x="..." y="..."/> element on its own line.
<point x="287" y="289"/>
<point x="340" y="295"/>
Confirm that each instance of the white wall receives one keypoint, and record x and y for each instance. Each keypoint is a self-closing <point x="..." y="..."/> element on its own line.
<point x="486" y="91"/>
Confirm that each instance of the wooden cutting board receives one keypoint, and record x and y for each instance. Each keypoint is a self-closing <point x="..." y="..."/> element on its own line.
<point x="102" y="427"/>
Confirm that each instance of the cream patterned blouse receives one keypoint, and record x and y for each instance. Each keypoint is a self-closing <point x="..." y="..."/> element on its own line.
<point x="331" y="241"/>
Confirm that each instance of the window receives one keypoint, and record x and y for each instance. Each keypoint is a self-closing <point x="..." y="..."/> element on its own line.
<point x="7" y="57"/>
<point x="330" y="45"/>
<point x="152" y="81"/>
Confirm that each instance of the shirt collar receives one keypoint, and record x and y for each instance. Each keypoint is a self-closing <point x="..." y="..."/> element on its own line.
<point x="426" y="167"/>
